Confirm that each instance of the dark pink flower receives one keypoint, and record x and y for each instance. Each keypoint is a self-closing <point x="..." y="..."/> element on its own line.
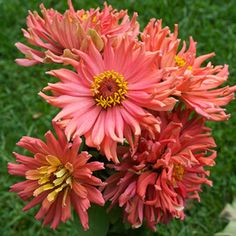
<point x="153" y="182"/>
<point x="57" y="177"/>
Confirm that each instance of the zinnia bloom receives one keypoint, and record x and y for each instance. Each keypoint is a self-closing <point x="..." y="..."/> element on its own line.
<point x="56" y="177"/>
<point x="59" y="33"/>
<point x="106" y="100"/>
<point x="201" y="93"/>
<point x="158" y="38"/>
<point x="200" y="87"/>
<point x="196" y="85"/>
<point x="153" y="182"/>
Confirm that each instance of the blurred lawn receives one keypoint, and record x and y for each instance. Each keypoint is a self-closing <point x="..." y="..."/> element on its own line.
<point x="211" y="23"/>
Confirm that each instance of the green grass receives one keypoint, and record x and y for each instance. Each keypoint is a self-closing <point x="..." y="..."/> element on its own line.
<point x="211" y="23"/>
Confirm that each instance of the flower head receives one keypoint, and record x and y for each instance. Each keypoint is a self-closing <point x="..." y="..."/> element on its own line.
<point x="154" y="181"/>
<point x="159" y="38"/>
<point x="196" y="85"/>
<point x="57" y="177"/>
<point x="200" y="87"/>
<point x="108" y="97"/>
<point x="56" y="34"/>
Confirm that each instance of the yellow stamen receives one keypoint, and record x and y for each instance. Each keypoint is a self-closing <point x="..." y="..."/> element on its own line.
<point x="33" y="175"/>
<point x="60" y="173"/>
<point x="178" y="172"/>
<point x="69" y="181"/>
<point x="44" y="180"/>
<point x="94" y="20"/>
<point x="180" y="62"/>
<point x="60" y="180"/>
<point x="69" y="167"/>
<point x="84" y="16"/>
<point x="64" y="196"/>
<point x="55" y="177"/>
<point x="52" y="160"/>
<point x="52" y="196"/>
<point x="109" y="88"/>
<point x="42" y="189"/>
<point x="47" y="169"/>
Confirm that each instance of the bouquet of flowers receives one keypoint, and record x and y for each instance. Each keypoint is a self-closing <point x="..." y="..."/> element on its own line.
<point x="131" y="128"/>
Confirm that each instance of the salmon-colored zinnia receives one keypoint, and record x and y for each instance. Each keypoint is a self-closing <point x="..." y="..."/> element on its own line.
<point x="159" y="38"/>
<point x="200" y="87"/>
<point x="55" y="34"/>
<point x="153" y="182"/>
<point x="106" y="99"/>
<point x="57" y="177"/>
<point x="196" y="85"/>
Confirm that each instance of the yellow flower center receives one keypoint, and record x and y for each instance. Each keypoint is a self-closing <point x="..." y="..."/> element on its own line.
<point x="180" y="62"/>
<point x="94" y="19"/>
<point x="54" y="176"/>
<point x="84" y="16"/>
<point x="109" y="88"/>
<point x="178" y="172"/>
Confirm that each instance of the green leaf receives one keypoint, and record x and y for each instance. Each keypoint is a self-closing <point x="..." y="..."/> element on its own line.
<point x="98" y="222"/>
<point x="115" y="214"/>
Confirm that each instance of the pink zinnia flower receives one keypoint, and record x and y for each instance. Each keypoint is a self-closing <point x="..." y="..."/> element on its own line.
<point x="59" y="33"/>
<point x="106" y="100"/>
<point x="159" y="38"/>
<point x="196" y="85"/>
<point x="57" y="177"/>
<point x="153" y="182"/>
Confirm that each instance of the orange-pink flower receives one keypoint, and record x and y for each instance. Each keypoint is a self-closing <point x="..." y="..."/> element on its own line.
<point x="57" y="177"/>
<point x="159" y="38"/>
<point x="55" y="34"/>
<point x="196" y="85"/>
<point x="153" y="182"/>
<point x="200" y="87"/>
<point x="203" y="94"/>
<point x="106" y="100"/>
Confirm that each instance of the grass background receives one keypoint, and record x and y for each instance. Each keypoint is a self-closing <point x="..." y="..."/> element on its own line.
<point x="211" y="22"/>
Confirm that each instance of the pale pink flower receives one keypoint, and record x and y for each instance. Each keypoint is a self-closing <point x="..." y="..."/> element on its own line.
<point x="153" y="182"/>
<point x="57" y="177"/>
<point x="55" y="34"/>
<point x="106" y="100"/>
